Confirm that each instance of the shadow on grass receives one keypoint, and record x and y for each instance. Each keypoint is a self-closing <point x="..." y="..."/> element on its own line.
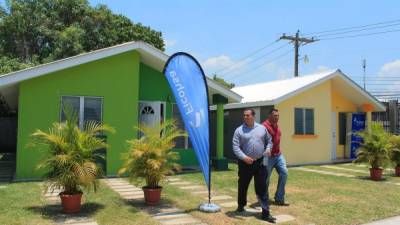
<point x="368" y="178"/>
<point x="54" y="212"/>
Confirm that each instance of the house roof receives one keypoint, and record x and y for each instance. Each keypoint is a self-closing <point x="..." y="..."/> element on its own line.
<point x="148" y="54"/>
<point x="274" y="92"/>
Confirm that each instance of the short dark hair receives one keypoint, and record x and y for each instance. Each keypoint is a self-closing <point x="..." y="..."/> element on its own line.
<point x="253" y="113"/>
<point x="273" y="110"/>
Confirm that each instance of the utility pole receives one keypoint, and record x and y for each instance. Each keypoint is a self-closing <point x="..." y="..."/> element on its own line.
<point x="297" y="40"/>
<point x="364" y="65"/>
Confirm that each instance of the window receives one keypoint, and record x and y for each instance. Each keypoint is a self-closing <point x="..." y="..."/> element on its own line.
<point x="303" y="121"/>
<point x="87" y="108"/>
<point x="181" y="142"/>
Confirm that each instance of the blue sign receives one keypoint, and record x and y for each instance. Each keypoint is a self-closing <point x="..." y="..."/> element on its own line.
<point x="188" y="84"/>
<point x="357" y="124"/>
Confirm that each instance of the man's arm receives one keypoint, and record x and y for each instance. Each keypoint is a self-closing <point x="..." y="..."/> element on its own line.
<point x="236" y="145"/>
<point x="268" y="143"/>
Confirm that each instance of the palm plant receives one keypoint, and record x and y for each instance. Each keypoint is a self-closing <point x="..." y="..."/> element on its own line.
<point x="396" y="150"/>
<point x="150" y="158"/>
<point x="375" y="148"/>
<point x="70" y="164"/>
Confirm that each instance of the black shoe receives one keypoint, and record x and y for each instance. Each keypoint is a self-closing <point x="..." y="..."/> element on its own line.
<point x="267" y="217"/>
<point x="282" y="203"/>
<point x="240" y="209"/>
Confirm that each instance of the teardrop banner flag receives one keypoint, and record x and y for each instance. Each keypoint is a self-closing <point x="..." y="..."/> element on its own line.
<point x="188" y="84"/>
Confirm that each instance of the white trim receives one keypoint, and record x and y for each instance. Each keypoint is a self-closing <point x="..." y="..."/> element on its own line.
<point x="142" y="47"/>
<point x="82" y="107"/>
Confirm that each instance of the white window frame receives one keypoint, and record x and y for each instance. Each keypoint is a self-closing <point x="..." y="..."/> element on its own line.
<point x="82" y="107"/>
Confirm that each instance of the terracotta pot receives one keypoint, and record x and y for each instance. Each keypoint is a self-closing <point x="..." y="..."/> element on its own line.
<point x="71" y="203"/>
<point x="152" y="195"/>
<point x="376" y="173"/>
<point x="397" y="171"/>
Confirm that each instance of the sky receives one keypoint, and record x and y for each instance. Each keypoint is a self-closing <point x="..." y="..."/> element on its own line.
<point x="221" y="33"/>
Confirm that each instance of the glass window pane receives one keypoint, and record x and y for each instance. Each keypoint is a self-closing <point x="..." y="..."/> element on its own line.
<point x="67" y="103"/>
<point x="298" y="121"/>
<point x="92" y="109"/>
<point x="180" y="141"/>
<point x="309" y="121"/>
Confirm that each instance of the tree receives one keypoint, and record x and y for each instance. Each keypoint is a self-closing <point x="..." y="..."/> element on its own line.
<point x="39" y="31"/>
<point x="223" y="82"/>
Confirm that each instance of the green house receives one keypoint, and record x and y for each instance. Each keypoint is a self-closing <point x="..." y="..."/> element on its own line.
<point x="121" y="86"/>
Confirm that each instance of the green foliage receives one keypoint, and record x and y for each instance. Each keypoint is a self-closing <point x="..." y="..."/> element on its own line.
<point x="40" y="31"/>
<point x="223" y="82"/>
<point x="70" y="164"/>
<point x="376" y="147"/>
<point x="150" y="157"/>
<point x="8" y="65"/>
<point x="395" y="154"/>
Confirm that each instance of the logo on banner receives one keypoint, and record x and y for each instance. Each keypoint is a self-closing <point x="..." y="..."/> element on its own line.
<point x="181" y="93"/>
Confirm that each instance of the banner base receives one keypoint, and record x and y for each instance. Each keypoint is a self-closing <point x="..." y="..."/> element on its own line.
<point x="209" y="208"/>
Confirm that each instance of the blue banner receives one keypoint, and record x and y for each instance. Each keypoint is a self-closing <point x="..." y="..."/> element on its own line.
<point x="188" y="84"/>
<point x="357" y="124"/>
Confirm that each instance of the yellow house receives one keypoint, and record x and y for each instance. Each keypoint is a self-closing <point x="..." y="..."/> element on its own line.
<point x="313" y="113"/>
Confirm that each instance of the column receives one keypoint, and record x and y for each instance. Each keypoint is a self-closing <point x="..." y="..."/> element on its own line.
<point x="220" y="162"/>
<point x="368" y="108"/>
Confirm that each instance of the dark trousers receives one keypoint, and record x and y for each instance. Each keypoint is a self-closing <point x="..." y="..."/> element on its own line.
<point x="246" y="173"/>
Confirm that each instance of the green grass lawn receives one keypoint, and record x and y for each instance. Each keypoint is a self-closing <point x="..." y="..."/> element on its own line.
<point x="314" y="198"/>
<point x="22" y="203"/>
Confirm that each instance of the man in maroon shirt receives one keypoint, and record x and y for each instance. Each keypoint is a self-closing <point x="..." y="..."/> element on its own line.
<point x="275" y="157"/>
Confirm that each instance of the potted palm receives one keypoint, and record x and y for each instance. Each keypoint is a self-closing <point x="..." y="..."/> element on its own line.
<point x="70" y="163"/>
<point x="150" y="158"/>
<point x="395" y="154"/>
<point x="374" y="150"/>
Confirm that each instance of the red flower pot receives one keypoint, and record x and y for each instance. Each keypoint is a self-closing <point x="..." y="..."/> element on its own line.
<point x="376" y="173"/>
<point x="397" y="170"/>
<point x="71" y="203"/>
<point x="152" y="195"/>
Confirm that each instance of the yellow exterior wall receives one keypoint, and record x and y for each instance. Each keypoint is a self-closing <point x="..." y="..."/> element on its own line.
<point x="308" y="150"/>
<point x="340" y="104"/>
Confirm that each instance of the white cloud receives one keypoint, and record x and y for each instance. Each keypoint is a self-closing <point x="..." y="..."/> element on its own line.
<point x="390" y="69"/>
<point x="222" y="64"/>
<point x="170" y="43"/>
<point x="321" y="69"/>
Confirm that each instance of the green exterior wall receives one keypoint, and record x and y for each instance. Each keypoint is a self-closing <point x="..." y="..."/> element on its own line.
<point x="115" y="78"/>
<point x="120" y="80"/>
<point x="154" y="87"/>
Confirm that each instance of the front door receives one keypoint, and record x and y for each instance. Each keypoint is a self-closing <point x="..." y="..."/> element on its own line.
<point x="151" y="112"/>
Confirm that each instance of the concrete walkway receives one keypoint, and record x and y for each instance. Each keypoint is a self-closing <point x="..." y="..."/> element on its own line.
<point x="325" y="172"/>
<point x="388" y="221"/>
<point x="225" y="201"/>
<point x="163" y="213"/>
<point x="53" y="198"/>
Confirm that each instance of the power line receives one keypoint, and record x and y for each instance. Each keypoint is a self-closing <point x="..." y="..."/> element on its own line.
<point x="258" y="58"/>
<point x="247" y="56"/>
<point x="265" y="63"/>
<point x="352" y="27"/>
<point x="361" y="35"/>
<point x="358" y="30"/>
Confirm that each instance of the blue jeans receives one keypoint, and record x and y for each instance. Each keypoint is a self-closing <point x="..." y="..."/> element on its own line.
<point x="279" y="163"/>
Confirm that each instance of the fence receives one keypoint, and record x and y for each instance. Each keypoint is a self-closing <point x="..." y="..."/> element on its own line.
<point x="390" y="118"/>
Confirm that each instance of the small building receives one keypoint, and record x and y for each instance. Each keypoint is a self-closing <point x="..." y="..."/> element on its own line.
<point x="314" y="113"/>
<point x="121" y="86"/>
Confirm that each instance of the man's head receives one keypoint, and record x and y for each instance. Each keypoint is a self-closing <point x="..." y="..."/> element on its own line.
<point x="273" y="116"/>
<point x="248" y="116"/>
